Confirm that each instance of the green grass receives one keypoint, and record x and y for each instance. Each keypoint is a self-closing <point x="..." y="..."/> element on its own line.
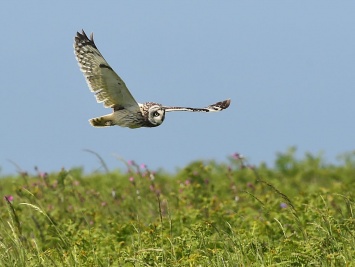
<point x="298" y="213"/>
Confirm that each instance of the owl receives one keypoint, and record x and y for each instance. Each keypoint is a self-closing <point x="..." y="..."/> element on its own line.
<point x="111" y="90"/>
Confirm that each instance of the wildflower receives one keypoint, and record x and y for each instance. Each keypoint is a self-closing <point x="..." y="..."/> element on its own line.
<point x="237" y="156"/>
<point x="43" y="175"/>
<point x="130" y="162"/>
<point x="9" y="198"/>
<point x="143" y="166"/>
<point x="283" y="205"/>
<point x="131" y="179"/>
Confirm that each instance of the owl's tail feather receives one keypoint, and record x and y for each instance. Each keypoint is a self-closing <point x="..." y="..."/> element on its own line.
<point x="104" y="121"/>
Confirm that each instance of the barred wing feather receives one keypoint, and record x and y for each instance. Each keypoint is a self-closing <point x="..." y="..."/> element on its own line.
<point x="211" y="108"/>
<point x="108" y="87"/>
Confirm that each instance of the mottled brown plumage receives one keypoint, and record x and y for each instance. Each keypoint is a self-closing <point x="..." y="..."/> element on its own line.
<point x="111" y="90"/>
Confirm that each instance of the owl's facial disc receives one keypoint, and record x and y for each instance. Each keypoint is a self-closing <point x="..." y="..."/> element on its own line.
<point x="156" y="115"/>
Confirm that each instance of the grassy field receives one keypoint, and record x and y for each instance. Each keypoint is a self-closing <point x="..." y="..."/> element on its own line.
<point x="298" y="213"/>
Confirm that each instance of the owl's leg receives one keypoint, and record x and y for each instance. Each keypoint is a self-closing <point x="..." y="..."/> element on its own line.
<point x="103" y="121"/>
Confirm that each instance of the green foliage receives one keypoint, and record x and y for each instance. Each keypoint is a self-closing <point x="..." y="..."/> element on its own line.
<point x="299" y="213"/>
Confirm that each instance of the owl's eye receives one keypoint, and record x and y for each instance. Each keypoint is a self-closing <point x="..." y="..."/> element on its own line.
<point x="156" y="114"/>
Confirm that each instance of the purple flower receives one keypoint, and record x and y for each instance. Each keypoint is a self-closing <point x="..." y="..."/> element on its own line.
<point x="131" y="162"/>
<point x="143" y="166"/>
<point x="43" y="175"/>
<point x="237" y="156"/>
<point x="283" y="205"/>
<point x="131" y="179"/>
<point x="9" y="198"/>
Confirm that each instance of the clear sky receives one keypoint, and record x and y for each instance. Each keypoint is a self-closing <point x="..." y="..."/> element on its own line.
<point x="288" y="66"/>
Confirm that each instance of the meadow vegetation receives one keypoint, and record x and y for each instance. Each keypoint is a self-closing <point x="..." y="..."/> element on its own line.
<point x="299" y="212"/>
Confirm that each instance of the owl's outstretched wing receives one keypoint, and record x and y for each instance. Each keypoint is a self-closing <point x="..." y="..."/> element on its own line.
<point x="108" y="87"/>
<point x="211" y="108"/>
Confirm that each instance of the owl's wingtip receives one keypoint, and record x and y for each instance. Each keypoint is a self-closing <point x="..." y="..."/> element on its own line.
<point x="219" y="105"/>
<point x="224" y="104"/>
<point x="227" y="102"/>
<point x="81" y="39"/>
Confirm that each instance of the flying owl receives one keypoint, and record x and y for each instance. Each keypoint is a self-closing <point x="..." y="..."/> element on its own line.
<point x="111" y="90"/>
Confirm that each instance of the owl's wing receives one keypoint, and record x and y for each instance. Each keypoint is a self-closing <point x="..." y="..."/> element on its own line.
<point x="108" y="87"/>
<point x="211" y="108"/>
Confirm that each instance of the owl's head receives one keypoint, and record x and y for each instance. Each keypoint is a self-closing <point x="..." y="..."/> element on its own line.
<point x="156" y="115"/>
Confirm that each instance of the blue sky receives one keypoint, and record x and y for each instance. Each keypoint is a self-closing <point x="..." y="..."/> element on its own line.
<point x="288" y="66"/>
